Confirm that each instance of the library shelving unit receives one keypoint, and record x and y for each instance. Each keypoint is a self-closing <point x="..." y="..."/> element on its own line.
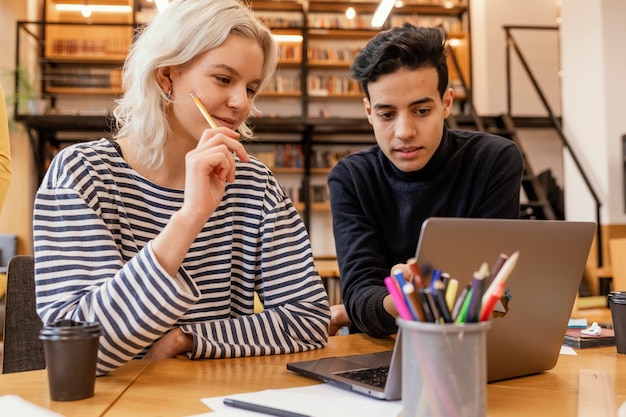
<point x="332" y="40"/>
<point x="84" y="55"/>
<point x="310" y="115"/>
<point x="324" y="119"/>
<point x="283" y="96"/>
<point x="74" y="56"/>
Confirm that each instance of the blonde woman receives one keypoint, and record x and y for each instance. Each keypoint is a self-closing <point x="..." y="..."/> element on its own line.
<point x="165" y="234"/>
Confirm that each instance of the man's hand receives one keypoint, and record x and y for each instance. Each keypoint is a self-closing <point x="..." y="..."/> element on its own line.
<point x="338" y="319"/>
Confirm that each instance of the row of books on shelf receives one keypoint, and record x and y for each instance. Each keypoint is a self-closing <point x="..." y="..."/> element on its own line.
<point x="294" y="193"/>
<point x="326" y="158"/>
<point x="113" y="47"/>
<point x="290" y="51"/>
<point x="283" y="84"/>
<point x="317" y="85"/>
<point x="333" y="53"/>
<point x="324" y="85"/>
<point x="338" y="21"/>
<point x="363" y="22"/>
<point x="281" y="19"/>
<point x="290" y="155"/>
<point x="449" y="24"/>
<point x="73" y="77"/>
<point x="319" y="193"/>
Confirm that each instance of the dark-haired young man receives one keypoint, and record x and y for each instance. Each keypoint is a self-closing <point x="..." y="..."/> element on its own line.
<point x="419" y="168"/>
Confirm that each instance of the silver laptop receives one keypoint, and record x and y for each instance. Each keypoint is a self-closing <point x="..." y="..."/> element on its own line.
<point x="378" y="375"/>
<point x="527" y="336"/>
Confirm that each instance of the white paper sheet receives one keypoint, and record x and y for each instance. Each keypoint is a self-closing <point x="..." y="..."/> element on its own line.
<point x="14" y="405"/>
<point x="567" y="350"/>
<point x="321" y="400"/>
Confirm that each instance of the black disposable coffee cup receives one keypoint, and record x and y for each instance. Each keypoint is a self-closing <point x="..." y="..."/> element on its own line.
<point x="617" y="304"/>
<point x="71" y="352"/>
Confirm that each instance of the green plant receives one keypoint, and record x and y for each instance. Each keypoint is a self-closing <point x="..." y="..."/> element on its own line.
<point x="25" y="86"/>
<point x="23" y="96"/>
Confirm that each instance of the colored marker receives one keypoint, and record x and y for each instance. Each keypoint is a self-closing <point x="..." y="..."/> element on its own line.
<point x="496" y="267"/>
<point x="445" y="278"/>
<point x="416" y="274"/>
<point x="503" y="275"/>
<point x="451" y="290"/>
<point x="490" y="303"/>
<point x="428" y="313"/>
<point x="459" y="301"/>
<point x="473" y="313"/>
<point x="398" y="274"/>
<point x="440" y="299"/>
<point x="462" y="316"/>
<point x="413" y="301"/>
<point x="432" y="305"/>
<point x="436" y="276"/>
<point x="398" y="298"/>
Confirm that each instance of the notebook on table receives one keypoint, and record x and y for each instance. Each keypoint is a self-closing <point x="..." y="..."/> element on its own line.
<point x="527" y="336"/>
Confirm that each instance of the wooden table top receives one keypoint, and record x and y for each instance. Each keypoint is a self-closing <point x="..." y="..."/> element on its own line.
<point x="175" y="387"/>
<point x="555" y="390"/>
<point x="32" y="386"/>
<point x="190" y="381"/>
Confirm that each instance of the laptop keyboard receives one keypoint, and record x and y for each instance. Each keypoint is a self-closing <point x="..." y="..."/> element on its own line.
<point x="372" y="376"/>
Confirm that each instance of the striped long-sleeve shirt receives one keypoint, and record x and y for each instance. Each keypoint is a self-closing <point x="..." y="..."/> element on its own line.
<point x="94" y="219"/>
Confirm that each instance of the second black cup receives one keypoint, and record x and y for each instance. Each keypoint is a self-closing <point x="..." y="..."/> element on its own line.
<point x="617" y="304"/>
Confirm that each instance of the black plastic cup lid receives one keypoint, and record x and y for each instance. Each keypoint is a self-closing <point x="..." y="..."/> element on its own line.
<point x="70" y="329"/>
<point x="618" y="297"/>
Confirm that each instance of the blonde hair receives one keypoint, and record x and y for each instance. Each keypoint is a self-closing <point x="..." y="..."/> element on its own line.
<point x="184" y="30"/>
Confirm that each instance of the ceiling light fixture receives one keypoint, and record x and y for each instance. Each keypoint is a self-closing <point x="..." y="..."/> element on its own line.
<point x="287" y="38"/>
<point x="86" y="12"/>
<point x="62" y="7"/>
<point x="382" y="12"/>
<point x="350" y="13"/>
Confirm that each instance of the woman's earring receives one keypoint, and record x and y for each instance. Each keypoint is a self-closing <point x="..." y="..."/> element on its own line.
<point x="168" y="98"/>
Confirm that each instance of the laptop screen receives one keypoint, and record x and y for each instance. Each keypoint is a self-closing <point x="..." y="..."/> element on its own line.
<point x="542" y="288"/>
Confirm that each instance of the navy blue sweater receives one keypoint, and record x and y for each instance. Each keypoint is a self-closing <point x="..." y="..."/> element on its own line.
<point x="378" y="210"/>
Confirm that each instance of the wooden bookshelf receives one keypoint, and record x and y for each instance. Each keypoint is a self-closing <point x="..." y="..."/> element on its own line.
<point x="311" y="104"/>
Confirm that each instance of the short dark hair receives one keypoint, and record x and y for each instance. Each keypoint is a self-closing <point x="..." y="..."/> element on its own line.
<point x="409" y="47"/>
